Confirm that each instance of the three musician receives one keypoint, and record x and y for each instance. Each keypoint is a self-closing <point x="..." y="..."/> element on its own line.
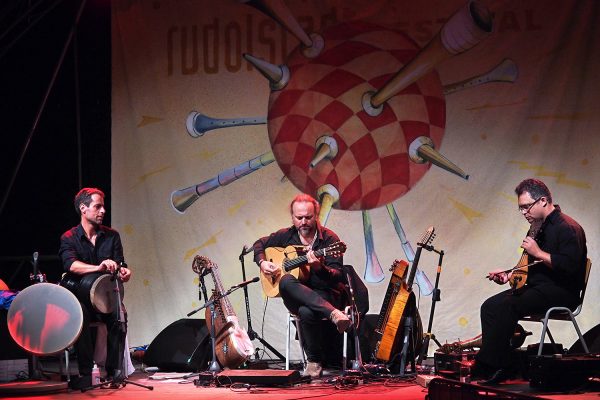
<point x="88" y="248"/>
<point x="560" y="244"/>
<point x="556" y="242"/>
<point x="316" y="298"/>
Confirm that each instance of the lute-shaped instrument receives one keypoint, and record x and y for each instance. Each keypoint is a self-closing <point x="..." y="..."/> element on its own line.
<point x="232" y="344"/>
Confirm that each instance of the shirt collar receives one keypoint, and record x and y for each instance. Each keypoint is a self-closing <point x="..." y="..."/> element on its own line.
<point x="81" y="231"/>
<point x="551" y="218"/>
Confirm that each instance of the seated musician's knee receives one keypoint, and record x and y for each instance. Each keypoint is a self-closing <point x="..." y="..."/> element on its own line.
<point x="307" y="315"/>
<point x="286" y="282"/>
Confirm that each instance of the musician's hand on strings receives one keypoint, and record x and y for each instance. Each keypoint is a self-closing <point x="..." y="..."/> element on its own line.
<point x="108" y="265"/>
<point x="268" y="268"/>
<point x="314" y="262"/>
<point x="499" y="276"/>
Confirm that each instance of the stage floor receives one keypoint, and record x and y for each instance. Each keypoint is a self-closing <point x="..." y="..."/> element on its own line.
<point x="332" y="386"/>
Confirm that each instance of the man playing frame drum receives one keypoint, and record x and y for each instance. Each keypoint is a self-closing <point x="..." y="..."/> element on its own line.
<point x="89" y="249"/>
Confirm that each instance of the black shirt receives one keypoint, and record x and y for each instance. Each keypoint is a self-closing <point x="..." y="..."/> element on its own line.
<point x="75" y="246"/>
<point x="564" y="239"/>
<point x="329" y="275"/>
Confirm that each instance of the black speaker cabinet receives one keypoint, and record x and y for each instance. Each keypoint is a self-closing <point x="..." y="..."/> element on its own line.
<point x="563" y="372"/>
<point x="183" y="346"/>
<point x="592" y="339"/>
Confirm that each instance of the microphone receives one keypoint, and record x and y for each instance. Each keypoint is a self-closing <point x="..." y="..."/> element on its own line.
<point x="36" y="275"/>
<point x="35" y="262"/>
<point x="246" y="283"/>
<point x="246" y="250"/>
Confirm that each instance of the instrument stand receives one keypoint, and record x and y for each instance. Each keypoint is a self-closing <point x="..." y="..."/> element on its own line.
<point x="251" y="333"/>
<point x="407" y="346"/>
<point x="356" y="365"/>
<point x="119" y="380"/>
<point x="434" y="299"/>
<point x="408" y="336"/>
<point x="214" y="367"/>
<point x="35" y="372"/>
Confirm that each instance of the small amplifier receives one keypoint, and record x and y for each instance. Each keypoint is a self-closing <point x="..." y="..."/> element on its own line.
<point x="448" y="364"/>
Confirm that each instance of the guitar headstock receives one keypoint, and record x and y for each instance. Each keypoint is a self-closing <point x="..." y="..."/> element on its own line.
<point x="427" y="237"/>
<point x="397" y="263"/>
<point x="336" y="249"/>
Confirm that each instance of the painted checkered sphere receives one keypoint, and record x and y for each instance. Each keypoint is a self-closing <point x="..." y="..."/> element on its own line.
<point x="323" y="97"/>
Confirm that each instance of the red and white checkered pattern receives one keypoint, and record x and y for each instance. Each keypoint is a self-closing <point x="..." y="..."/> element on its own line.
<point x="372" y="167"/>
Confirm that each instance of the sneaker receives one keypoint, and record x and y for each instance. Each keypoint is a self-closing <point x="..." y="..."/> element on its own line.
<point x="313" y="369"/>
<point x="340" y="320"/>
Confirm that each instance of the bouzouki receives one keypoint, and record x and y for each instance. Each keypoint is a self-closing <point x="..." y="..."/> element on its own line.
<point x="518" y="278"/>
<point x="398" y="303"/>
<point x="232" y="344"/>
<point x="292" y="262"/>
<point x="518" y="274"/>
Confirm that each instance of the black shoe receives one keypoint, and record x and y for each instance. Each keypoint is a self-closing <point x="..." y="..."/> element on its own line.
<point x="481" y="371"/>
<point x="496" y="378"/>
<point x="80" y="382"/>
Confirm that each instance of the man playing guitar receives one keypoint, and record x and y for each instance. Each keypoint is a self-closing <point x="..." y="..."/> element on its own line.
<point x="313" y="299"/>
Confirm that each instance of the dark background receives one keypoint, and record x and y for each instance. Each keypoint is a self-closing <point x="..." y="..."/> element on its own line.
<point x="39" y="205"/>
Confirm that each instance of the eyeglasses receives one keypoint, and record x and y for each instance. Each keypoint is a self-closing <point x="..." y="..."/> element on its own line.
<point x="525" y="208"/>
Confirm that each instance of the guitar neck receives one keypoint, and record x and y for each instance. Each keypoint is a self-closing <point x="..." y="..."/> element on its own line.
<point x="413" y="271"/>
<point x="226" y="306"/>
<point x="301" y="260"/>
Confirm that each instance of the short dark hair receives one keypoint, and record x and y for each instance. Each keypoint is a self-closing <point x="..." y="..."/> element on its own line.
<point x="84" y="196"/>
<point x="535" y="188"/>
<point x="305" y="198"/>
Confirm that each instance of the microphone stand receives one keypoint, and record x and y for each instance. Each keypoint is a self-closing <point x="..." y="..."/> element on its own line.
<point x="356" y="365"/>
<point x="434" y="299"/>
<point x="251" y="333"/>
<point x="119" y="380"/>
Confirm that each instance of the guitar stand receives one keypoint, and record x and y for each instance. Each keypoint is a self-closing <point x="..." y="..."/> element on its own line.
<point x="408" y="346"/>
<point x="214" y="367"/>
<point x="251" y="333"/>
<point x="119" y="380"/>
<point x="434" y="299"/>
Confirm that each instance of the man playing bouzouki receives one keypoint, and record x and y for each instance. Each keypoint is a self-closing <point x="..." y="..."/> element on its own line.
<point x="312" y="299"/>
<point x="555" y="281"/>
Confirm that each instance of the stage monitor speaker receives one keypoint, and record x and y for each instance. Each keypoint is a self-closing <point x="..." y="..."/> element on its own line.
<point x="592" y="339"/>
<point x="562" y="372"/>
<point x="183" y="346"/>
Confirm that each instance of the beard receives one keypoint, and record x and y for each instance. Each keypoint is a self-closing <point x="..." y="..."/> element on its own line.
<point x="305" y="230"/>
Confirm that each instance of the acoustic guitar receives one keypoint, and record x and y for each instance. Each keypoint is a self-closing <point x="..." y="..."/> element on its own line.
<point x="291" y="261"/>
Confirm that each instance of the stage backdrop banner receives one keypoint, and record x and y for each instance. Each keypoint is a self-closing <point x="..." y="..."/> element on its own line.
<point x="223" y="112"/>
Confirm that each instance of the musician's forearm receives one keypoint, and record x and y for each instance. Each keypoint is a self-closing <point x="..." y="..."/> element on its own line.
<point x="80" y="268"/>
<point x="546" y="258"/>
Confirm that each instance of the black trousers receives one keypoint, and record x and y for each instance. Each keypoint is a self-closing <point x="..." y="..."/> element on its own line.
<point x="311" y="306"/>
<point x="501" y="313"/>
<point x="85" y="345"/>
